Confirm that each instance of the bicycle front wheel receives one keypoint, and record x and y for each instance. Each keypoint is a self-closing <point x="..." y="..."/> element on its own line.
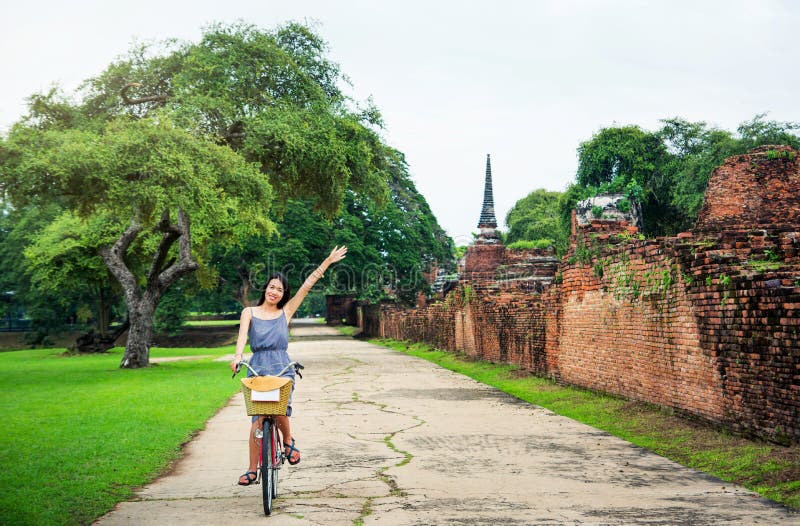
<point x="276" y="459"/>
<point x="267" y="461"/>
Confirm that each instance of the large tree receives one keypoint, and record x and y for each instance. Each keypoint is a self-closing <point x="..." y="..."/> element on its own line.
<point x="150" y="195"/>
<point x="273" y="96"/>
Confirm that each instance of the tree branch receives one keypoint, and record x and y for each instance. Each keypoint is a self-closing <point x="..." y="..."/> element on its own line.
<point x="114" y="258"/>
<point x="235" y="133"/>
<point x="171" y="234"/>
<point x="162" y="99"/>
<point x="185" y="263"/>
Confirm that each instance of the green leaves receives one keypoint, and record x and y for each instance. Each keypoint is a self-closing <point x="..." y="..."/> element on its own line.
<point x="303" y="154"/>
<point x="615" y="157"/>
<point x="140" y="168"/>
<point x="236" y="71"/>
<point x="535" y="217"/>
<point x="63" y="256"/>
<point x="666" y="171"/>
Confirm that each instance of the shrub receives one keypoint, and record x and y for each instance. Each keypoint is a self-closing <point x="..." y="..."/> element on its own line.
<point x="528" y="245"/>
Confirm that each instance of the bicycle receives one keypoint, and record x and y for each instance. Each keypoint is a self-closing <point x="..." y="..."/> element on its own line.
<point x="271" y="400"/>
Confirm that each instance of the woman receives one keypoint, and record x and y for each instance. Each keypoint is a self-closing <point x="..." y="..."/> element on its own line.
<point x="267" y="327"/>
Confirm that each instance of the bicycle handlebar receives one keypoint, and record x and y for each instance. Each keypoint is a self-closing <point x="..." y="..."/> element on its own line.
<point x="297" y="368"/>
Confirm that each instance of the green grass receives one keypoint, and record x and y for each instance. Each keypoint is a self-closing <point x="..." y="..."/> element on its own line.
<point x="763" y="266"/>
<point x="347" y="330"/>
<point x="771" y="470"/>
<point x="80" y="434"/>
<point x="211" y="323"/>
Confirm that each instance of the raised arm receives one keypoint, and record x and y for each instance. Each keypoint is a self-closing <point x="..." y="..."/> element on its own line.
<point x="241" y="341"/>
<point x="336" y="255"/>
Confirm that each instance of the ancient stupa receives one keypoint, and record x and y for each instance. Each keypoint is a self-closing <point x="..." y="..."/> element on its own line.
<point x="487" y="223"/>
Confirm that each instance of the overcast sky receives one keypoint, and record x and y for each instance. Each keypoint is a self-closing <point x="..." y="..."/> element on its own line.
<point x="526" y="81"/>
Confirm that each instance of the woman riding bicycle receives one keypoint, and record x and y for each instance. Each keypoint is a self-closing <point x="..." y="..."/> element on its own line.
<point x="267" y="328"/>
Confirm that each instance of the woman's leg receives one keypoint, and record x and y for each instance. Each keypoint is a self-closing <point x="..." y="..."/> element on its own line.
<point x="285" y="429"/>
<point x="255" y="446"/>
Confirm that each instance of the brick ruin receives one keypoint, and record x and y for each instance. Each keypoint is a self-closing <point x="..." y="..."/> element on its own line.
<point x="705" y="322"/>
<point x="341" y="310"/>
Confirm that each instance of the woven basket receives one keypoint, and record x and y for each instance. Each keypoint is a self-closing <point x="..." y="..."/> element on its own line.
<point x="266" y="383"/>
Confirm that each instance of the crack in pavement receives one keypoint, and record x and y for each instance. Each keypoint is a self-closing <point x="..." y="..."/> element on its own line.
<point x="385" y="438"/>
<point x="391" y="482"/>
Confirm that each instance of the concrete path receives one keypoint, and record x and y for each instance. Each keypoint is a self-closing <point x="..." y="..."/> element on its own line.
<point x="392" y="440"/>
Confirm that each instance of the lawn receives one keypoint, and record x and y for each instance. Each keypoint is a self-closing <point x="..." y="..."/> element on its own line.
<point x="769" y="469"/>
<point x="80" y="434"/>
<point x="212" y="323"/>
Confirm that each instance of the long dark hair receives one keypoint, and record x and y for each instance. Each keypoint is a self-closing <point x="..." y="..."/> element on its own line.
<point x="287" y="293"/>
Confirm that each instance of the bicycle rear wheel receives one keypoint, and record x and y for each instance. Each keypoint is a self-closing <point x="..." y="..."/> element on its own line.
<point x="267" y="460"/>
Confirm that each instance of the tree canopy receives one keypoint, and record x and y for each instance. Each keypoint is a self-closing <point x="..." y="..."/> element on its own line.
<point x="272" y="96"/>
<point x="190" y="157"/>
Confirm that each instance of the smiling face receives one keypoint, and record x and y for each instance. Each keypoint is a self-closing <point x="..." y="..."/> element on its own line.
<point x="274" y="292"/>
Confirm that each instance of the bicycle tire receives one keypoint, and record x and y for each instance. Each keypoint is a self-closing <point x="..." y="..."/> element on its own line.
<point x="267" y="456"/>
<point x="276" y="461"/>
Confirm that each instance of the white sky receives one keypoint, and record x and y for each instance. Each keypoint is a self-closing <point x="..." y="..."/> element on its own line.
<point x="526" y="81"/>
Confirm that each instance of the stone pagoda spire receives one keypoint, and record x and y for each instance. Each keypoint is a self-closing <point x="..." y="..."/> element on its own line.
<point x="487" y="223"/>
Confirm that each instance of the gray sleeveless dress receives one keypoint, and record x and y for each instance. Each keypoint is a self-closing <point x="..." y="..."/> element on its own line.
<point x="269" y="341"/>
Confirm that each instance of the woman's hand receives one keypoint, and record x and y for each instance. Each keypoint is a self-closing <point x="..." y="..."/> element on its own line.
<point x="337" y="254"/>
<point x="235" y="363"/>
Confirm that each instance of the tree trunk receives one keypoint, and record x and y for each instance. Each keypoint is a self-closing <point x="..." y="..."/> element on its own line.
<point x="140" y="334"/>
<point x="141" y="304"/>
<point x="103" y="311"/>
<point x="242" y="294"/>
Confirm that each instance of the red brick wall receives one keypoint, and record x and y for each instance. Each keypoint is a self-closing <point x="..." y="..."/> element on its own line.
<point x="483" y="258"/>
<point x="749" y="319"/>
<point x="756" y="190"/>
<point x="708" y="324"/>
<point x="628" y="328"/>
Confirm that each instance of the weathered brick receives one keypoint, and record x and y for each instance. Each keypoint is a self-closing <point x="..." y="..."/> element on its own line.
<point x="705" y="322"/>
